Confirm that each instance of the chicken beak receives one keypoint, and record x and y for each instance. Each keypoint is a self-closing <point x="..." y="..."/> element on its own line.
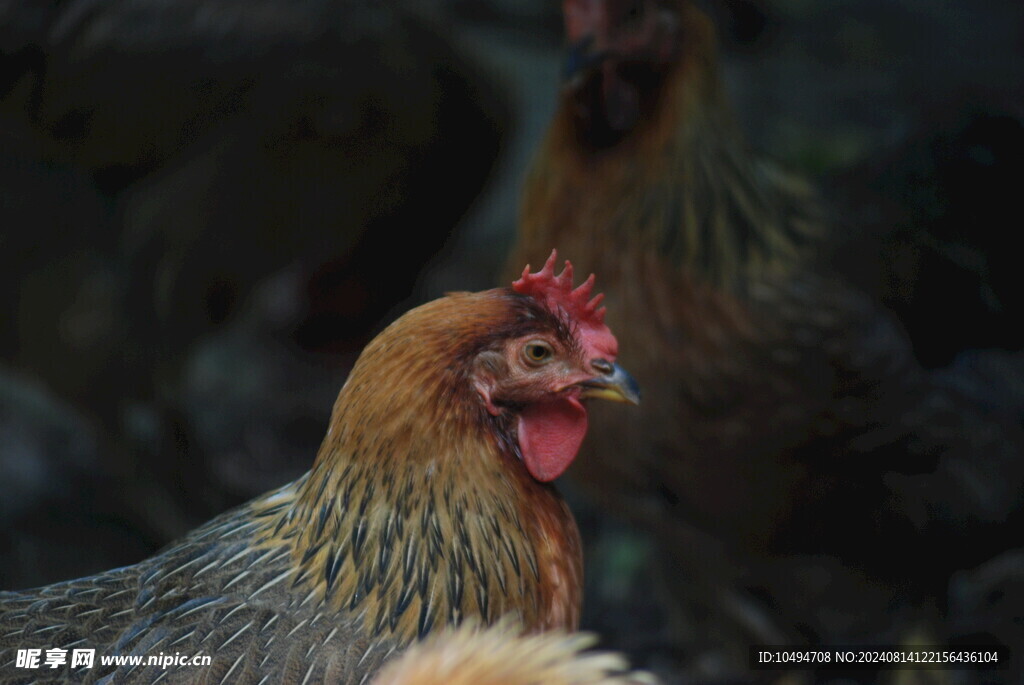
<point x="615" y="385"/>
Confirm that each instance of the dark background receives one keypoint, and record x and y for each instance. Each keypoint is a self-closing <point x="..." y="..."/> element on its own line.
<point x="208" y="207"/>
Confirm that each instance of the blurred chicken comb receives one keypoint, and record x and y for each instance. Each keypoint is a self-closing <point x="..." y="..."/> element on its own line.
<point x="557" y="292"/>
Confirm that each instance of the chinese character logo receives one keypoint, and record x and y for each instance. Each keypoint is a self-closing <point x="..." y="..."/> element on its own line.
<point x="28" y="658"/>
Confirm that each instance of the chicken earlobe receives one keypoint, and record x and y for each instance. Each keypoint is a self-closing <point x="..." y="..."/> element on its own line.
<point x="550" y="435"/>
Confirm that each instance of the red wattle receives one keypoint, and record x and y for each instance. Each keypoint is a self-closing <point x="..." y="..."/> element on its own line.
<point x="550" y="434"/>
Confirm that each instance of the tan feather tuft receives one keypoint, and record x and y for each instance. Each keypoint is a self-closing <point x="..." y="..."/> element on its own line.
<point x="502" y="655"/>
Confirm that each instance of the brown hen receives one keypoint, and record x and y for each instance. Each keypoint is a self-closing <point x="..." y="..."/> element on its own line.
<point x="428" y="503"/>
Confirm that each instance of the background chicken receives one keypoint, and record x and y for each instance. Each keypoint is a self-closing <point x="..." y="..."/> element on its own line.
<point x="429" y="502"/>
<point x="183" y="182"/>
<point x="795" y="460"/>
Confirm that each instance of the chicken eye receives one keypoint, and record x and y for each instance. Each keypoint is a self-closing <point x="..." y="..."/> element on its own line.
<point x="537" y="352"/>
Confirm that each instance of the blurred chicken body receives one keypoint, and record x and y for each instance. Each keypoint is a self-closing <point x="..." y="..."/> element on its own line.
<point x="167" y="164"/>
<point x="790" y="418"/>
<point x="428" y="503"/>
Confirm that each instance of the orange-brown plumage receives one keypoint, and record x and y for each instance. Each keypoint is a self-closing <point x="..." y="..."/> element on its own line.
<point x="426" y="505"/>
<point x="445" y="461"/>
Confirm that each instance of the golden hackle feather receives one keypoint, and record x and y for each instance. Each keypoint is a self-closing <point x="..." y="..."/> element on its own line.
<point x="426" y="519"/>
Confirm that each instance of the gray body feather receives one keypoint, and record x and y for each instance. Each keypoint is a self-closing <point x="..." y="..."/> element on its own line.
<point x="213" y="593"/>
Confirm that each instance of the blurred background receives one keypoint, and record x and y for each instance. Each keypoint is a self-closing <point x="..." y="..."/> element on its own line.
<point x="207" y="208"/>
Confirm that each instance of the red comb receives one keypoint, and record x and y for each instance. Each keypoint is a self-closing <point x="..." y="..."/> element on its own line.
<point x="557" y="292"/>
